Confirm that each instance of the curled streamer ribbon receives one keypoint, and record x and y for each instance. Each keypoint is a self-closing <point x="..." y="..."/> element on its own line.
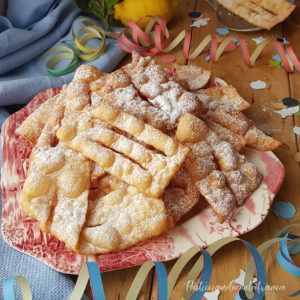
<point x="264" y="249"/>
<point x="81" y="49"/>
<point x="90" y="271"/>
<point x="8" y="288"/>
<point x="156" y="39"/>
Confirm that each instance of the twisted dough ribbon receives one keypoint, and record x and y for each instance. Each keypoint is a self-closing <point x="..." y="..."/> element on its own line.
<point x="156" y="39"/>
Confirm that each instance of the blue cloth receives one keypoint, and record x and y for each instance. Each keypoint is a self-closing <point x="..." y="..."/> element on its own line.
<point x="30" y="28"/>
<point x="23" y="77"/>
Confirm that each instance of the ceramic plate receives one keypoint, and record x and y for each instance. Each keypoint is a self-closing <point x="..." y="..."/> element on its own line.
<point x="202" y="228"/>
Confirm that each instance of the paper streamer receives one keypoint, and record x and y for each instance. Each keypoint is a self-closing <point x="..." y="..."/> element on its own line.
<point x="260" y="269"/>
<point x="265" y="248"/>
<point x="79" y="51"/>
<point x="92" y="30"/>
<point x="64" y="53"/>
<point x="8" y="288"/>
<point x="203" y="266"/>
<point x="156" y="39"/>
<point x="161" y="274"/>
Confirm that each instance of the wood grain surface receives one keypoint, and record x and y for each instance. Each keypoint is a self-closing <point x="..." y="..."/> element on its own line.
<point x="231" y="67"/>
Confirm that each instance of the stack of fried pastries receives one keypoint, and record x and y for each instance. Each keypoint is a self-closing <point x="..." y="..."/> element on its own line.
<point x="119" y="158"/>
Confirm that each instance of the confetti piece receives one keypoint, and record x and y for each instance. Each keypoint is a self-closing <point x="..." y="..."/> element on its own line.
<point x="241" y="279"/>
<point x="294" y="248"/>
<point x="207" y="58"/>
<point x="259" y="40"/>
<point x="297" y="157"/>
<point x="277" y="57"/>
<point x="285" y="112"/>
<point x="275" y="63"/>
<point x="297" y="130"/>
<point x="222" y="31"/>
<point x="211" y="296"/>
<point x="290" y="102"/>
<point x="169" y="58"/>
<point x="230" y="47"/>
<point x="283" y="40"/>
<point x="285" y="210"/>
<point x="258" y="85"/>
<point x="200" y="22"/>
<point x="298" y="112"/>
<point x="236" y="41"/>
<point x="194" y="14"/>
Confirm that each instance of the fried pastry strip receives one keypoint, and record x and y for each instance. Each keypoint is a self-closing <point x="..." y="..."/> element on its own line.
<point x="121" y="219"/>
<point x="161" y="91"/>
<point x="242" y="176"/>
<point x="117" y="90"/>
<point x="226" y="95"/>
<point x="192" y="77"/>
<point x="126" y="158"/>
<point x="32" y="126"/>
<point x="200" y="163"/>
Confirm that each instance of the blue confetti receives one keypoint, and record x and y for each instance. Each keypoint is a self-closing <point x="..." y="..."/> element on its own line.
<point x="194" y="14"/>
<point x="207" y="58"/>
<point x="290" y="102"/>
<point x="285" y="210"/>
<point x="277" y="57"/>
<point x="222" y="31"/>
<point x="285" y="41"/>
<point x="236" y="41"/>
<point x="294" y="248"/>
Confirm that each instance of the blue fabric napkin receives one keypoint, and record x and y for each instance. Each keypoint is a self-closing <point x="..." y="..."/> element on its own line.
<point x="30" y="28"/>
<point x="24" y="77"/>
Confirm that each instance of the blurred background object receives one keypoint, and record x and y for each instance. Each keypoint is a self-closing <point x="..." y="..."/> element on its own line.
<point x="3" y="6"/>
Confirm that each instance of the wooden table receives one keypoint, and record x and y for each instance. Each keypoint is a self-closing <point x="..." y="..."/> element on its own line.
<point x="231" y="67"/>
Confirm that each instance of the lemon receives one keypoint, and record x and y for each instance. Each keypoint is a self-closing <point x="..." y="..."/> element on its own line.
<point x="134" y="10"/>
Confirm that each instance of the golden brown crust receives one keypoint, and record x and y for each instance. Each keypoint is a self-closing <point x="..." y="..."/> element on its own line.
<point x="102" y="179"/>
<point x="262" y="13"/>
<point x="227" y="95"/>
<point x="192" y="77"/>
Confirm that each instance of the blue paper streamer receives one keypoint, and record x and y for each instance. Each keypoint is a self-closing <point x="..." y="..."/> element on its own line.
<point x="8" y="288"/>
<point x="283" y="257"/>
<point x="162" y="281"/>
<point x="285" y="260"/>
<point x="205" y="277"/>
<point x="95" y="281"/>
<point x="261" y="274"/>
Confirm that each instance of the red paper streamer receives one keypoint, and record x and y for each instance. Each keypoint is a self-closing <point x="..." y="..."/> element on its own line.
<point x="155" y="39"/>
